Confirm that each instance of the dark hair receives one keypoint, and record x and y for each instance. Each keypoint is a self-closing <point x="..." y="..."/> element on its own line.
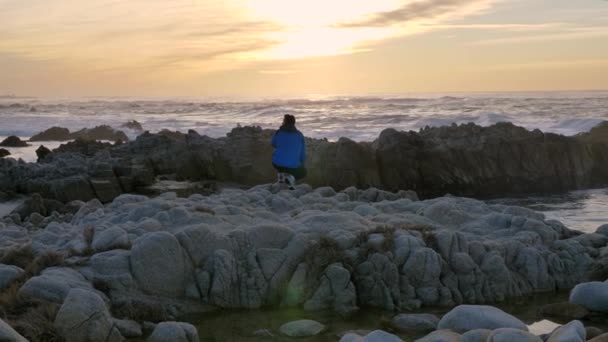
<point x="289" y="120"/>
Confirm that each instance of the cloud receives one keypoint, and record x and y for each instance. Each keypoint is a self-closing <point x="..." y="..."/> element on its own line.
<point x="573" y="33"/>
<point x="188" y="37"/>
<point x="417" y="10"/>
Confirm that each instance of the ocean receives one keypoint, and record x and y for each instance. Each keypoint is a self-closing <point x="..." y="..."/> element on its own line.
<point x="332" y="117"/>
<point x="357" y="118"/>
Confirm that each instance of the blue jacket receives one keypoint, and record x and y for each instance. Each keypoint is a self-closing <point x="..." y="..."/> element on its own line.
<point x="289" y="148"/>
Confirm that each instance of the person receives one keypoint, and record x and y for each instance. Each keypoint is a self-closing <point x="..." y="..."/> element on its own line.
<point x="289" y="152"/>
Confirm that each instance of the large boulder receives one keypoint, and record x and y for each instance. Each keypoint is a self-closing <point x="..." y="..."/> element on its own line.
<point x="54" y="284"/>
<point x="84" y="317"/>
<point x="468" y="317"/>
<point x="174" y="332"/>
<point x="571" y="332"/>
<point x="159" y="264"/>
<point x="592" y="295"/>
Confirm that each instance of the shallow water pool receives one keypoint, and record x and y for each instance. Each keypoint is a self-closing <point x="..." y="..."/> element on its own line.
<point x="263" y="325"/>
<point x="583" y="210"/>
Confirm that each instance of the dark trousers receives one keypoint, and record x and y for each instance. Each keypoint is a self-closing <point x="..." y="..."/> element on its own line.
<point x="298" y="173"/>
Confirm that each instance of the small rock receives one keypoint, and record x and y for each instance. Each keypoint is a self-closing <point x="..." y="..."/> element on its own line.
<point x="4" y="152"/>
<point x="36" y="219"/>
<point x="302" y="328"/>
<point x="511" y="334"/>
<point x="8" y="273"/>
<point x="415" y="322"/>
<point x="174" y="332"/>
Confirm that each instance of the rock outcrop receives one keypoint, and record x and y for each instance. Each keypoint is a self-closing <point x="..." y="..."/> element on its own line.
<point x="13" y="141"/>
<point x="103" y="132"/>
<point x="315" y="249"/>
<point x="53" y="134"/>
<point x="465" y="160"/>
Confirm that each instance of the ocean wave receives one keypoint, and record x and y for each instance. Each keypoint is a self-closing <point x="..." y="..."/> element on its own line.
<point x="358" y="118"/>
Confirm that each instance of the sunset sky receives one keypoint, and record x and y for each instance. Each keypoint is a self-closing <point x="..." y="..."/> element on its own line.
<point x="292" y="48"/>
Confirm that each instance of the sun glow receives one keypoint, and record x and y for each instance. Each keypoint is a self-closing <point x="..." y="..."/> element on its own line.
<point x="311" y="26"/>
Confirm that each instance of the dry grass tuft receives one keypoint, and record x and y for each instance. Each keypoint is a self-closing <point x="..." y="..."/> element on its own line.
<point x="88" y="233"/>
<point x="31" y="318"/>
<point x="202" y="209"/>
<point x="47" y="260"/>
<point x="36" y="324"/>
<point x="20" y="256"/>
<point x="324" y="253"/>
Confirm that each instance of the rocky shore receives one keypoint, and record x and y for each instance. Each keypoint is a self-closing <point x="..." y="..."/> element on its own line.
<point x="84" y="258"/>
<point x="465" y="160"/>
<point x="137" y="261"/>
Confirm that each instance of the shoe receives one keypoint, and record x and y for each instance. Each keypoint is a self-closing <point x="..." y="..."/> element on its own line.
<point x="291" y="182"/>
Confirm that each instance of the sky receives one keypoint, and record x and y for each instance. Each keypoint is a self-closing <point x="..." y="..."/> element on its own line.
<point x="276" y="48"/>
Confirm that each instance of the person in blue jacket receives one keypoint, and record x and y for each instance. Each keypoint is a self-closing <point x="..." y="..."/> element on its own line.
<point x="289" y="152"/>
